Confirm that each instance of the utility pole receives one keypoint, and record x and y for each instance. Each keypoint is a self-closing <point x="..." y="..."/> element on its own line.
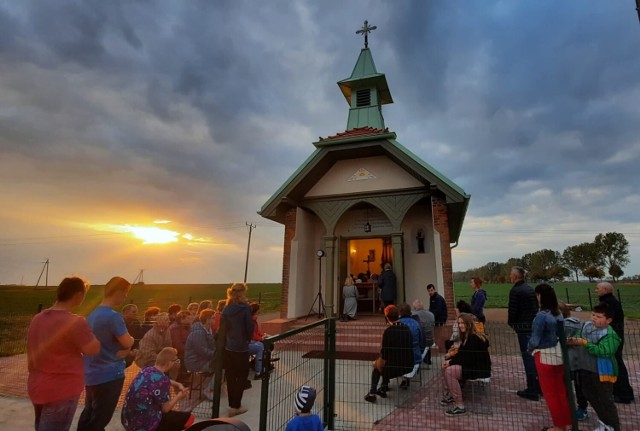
<point x="246" y="265"/>
<point x="46" y="279"/>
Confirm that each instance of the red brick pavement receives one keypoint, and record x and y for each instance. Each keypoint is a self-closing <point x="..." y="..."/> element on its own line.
<point x="509" y="412"/>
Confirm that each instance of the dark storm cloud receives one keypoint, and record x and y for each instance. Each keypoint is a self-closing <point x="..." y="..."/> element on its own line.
<point x="524" y="89"/>
<point x="207" y="107"/>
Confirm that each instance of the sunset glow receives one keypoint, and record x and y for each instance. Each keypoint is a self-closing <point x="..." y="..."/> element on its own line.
<point x="154" y="235"/>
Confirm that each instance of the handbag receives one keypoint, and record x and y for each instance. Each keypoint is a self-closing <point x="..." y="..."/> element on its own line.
<point x="550" y="355"/>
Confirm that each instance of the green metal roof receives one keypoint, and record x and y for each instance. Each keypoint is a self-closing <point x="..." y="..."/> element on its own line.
<point x="365" y="74"/>
<point x="327" y="153"/>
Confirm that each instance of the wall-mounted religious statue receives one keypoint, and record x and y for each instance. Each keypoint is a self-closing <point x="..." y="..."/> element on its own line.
<point x="420" y="238"/>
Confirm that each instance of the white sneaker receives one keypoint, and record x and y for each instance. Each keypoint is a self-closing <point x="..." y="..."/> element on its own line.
<point x="603" y="427"/>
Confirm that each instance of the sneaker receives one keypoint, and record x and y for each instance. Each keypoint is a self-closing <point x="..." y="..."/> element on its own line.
<point x="456" y="411"/>
<point x="258" y="376"/>
<point x="446" y="400"/>
<point x="404" y="384"/>
<point x="381" y="392"/>
<point x="370" y="398"/>
<point x="581" y="414"/>
<point x="603" y="427"/>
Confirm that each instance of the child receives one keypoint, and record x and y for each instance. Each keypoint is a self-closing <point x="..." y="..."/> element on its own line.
<point x="599" y="369"/>
<point x="305" y="421"/>
<point x="148" y="404"/>
<point x="572" y="327"/>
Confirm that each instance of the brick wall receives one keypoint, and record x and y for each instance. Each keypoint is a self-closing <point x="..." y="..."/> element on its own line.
<point x="289" y="234"/>
<point x="441" y="224"/>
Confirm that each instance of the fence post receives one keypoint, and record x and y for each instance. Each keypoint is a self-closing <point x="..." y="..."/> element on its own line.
<point x="329" y="373"/>
<point x="39" y="308"/>
<point x="264" y="394"/>
<point x="567" y="374"/>
<point x="566" y="290"/>
<point x="619" y="298"/>
<point x="590" y="301"/>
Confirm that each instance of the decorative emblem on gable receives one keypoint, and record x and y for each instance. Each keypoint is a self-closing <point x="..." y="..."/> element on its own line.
<point x="361" y="174"/>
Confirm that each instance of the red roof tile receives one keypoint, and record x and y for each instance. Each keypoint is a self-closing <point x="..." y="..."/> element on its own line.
<point x="357" y="131"/>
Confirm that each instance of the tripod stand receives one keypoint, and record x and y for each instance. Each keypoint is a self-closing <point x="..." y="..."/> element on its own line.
<point x="321" y="308"/>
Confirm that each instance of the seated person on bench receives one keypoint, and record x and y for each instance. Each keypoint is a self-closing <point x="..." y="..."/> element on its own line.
<point x="472" y="361"/>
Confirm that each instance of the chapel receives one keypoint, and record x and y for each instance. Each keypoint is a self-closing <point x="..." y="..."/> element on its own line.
<point x="360" y="200"/>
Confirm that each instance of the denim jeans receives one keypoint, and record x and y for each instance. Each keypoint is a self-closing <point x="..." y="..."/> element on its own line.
<point x="100" y="403"/>
<point x="56" y="416"/>
<point x="257" y="348"/>
<point x="533" y="387"/>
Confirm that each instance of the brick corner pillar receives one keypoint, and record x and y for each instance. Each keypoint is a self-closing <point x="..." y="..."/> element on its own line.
<point x="289" y="234"/>
<point x="441" y="225"/>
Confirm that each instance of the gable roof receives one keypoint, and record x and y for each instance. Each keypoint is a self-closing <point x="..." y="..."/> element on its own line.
<point x="358" y="143"/>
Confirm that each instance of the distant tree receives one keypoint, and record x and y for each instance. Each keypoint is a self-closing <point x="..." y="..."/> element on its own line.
<point x="593" y="272"/>
<point x="613" y="249"/>
<point x="492" y="271"/>
<point x="579" y="257"/>
<point x="616" y="272"/>
<point x="545" y="264"/>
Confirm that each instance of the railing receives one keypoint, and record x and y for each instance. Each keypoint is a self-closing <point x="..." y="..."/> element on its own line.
<point x="335" y="358"/>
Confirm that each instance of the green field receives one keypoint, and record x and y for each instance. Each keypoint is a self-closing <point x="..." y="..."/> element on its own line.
<point x="574" y="293"/>
<point x="25" y="299"/>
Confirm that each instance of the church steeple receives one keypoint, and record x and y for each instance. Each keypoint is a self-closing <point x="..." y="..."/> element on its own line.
<point x="369" y="87"/>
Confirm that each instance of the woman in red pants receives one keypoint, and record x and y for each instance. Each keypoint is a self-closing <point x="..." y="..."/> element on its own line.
<point x="546" y="351"/>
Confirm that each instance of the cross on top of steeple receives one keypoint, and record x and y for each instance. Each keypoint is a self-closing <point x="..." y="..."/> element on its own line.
<point x="366" y="29"/>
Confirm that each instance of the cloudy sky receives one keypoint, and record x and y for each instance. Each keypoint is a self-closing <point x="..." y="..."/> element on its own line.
<point x="187" y="116"/>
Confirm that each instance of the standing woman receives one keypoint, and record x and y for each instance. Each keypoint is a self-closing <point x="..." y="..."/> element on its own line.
<point x="239" y="329"/>
<point x="545" y="348"/>
<point x="478" y="299"/>
<point x="350" y="294"/>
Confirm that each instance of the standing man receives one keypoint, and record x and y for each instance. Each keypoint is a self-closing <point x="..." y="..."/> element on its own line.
<point x="56" y="341"/>
<point x="104" y="373"/>
<point x="523" y="306"/>
<point x="622" y="390"/>
<point x="387" y="282"/>
<point x="437" y="305"/>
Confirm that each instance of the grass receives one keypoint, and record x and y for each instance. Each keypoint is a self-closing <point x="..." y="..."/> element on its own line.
<point x="571" y="292"/>
<point x="26" y="299"/>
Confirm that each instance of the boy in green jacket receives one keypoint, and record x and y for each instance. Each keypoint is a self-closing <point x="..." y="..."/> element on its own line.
<point x="598" y="362"/>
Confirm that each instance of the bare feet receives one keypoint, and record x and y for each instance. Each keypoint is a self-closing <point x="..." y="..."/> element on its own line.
<point x="235" y="412"/>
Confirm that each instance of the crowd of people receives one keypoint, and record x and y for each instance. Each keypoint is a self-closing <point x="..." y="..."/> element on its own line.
<point x="68" y="354"/>
<point x="595" y="363"/>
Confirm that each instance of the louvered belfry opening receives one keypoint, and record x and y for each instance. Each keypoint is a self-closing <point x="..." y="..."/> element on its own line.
<point x="363" y="98"/>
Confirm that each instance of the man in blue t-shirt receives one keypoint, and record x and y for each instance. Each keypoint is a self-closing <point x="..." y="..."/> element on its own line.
<point x="104" y="373"/>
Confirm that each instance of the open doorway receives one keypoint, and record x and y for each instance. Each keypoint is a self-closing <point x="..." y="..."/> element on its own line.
<point x="364" y="260"/>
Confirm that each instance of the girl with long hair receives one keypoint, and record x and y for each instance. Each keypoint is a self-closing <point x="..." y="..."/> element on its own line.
<point x="472" y="361"/>
<point x="548" y="357"/>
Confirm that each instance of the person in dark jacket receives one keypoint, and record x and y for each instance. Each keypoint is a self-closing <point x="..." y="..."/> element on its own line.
<point x="472" y="361"/>
<point x="523" y="307"/>
<point x="396" y="355"/>
<point x="239" y="329"/>
<point x="622" y="390"/>
<point x="437" y="305"/>
<point x="387" y="282"/>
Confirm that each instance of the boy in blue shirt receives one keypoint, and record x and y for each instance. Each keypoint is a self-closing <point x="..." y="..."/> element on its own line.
<point x="304" y="420"/>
